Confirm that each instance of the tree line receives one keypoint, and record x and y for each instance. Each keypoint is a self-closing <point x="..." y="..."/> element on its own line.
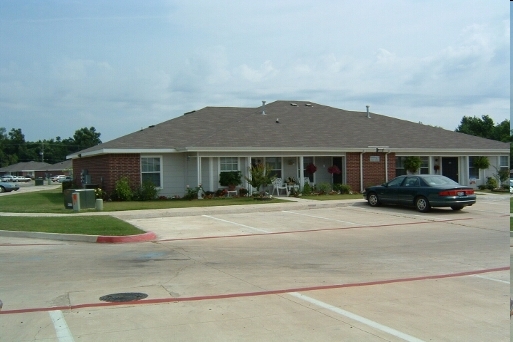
<point x="15" y="149"/>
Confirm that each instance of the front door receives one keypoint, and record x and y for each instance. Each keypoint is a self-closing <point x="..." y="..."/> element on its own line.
<point x="450" y="168"/>
<point x="337" y="179"/>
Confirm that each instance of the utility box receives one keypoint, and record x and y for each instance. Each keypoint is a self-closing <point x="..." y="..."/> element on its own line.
<point x="87" y="198"/>
<point x="39" y="181"/>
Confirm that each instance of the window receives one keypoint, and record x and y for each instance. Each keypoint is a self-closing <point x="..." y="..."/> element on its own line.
<point x="229" y="164"/>
<point x="275" y="164"/>
<point x="504" y="163"/>
<point x="399" y="166"/>
<point x="424" y="167"/>
<point x="151" y="170"/>
<point x="473" y="171"/>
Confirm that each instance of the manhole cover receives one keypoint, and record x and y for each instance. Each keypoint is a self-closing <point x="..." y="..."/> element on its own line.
<point x="123" y="297"/>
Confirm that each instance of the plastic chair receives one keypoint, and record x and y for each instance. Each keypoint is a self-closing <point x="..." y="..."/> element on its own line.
<point x="278" y="185"/>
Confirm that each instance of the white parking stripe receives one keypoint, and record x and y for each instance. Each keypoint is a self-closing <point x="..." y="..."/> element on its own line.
<point x="360" y="319"/>
<point x="237" y="224"/>
<point x="61" y="327"/>
<point x="319" y="217"/>
<point x="488" y="278"/>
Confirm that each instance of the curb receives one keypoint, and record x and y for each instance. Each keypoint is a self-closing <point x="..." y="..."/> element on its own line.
<point x="148" y="236"/>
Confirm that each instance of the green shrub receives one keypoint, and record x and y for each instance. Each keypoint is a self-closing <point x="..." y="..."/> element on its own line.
<point x="307" y="189"/>
<point x="122" y="190"/>
<point x="191" y="193"/>
<point x="342" y="188"/>
<point x="324" y="188"/>
<point x="146" y="192"/>
<point x="491" y="183"/>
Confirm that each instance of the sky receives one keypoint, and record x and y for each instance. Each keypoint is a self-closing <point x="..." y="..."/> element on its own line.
<point x="119" y="66"/>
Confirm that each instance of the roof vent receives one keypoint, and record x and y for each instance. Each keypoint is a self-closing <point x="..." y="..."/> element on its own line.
<point x="151" y="126"/>
<point x="368" y="114"/>
<point x="263" y="107"/>
<point x="294" y="104"/>
<point x="308" y="104"/>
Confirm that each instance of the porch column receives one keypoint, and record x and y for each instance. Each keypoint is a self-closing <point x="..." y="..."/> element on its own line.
<point x="211" y="173"/>
<point x="198" y="163"/>
<point x="301" y="173"/>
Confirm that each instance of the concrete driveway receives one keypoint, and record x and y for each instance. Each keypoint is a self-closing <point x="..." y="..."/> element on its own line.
<point x="343" y="273"/>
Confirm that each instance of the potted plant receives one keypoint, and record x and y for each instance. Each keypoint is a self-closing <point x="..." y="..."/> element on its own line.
<point x="230" y="179"/>
<point x="311" y="168"/>
<point x="412" y="164"/>
<point x="334" y="170"/>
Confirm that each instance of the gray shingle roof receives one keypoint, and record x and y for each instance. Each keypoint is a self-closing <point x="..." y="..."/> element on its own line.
<point x="304" y="125"/>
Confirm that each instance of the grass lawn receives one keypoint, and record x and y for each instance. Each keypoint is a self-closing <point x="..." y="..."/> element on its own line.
<point x="87" y="225"/>
<point x="52" y="201"/>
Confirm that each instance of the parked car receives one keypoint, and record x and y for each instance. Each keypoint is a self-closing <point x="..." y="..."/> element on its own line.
<point x="56" y="178"/>
<point x="64" y="179"/>
<point x="422" y="192"/>
<point x="511" y="186"/>
<point x="8" y="187"/>
<point x="7" y="178"/>
<point x="22" y="179"/>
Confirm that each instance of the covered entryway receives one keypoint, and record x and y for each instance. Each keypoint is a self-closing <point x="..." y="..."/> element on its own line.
<point x="450" y="168"/>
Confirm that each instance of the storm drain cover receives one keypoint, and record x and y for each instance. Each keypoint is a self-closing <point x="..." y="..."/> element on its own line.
<point x="123" y="297"/>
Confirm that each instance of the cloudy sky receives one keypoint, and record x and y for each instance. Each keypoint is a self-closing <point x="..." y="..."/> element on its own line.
<point x="122" y="65"/>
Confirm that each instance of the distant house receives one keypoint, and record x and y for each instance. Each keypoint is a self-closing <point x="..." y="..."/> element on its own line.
<point x="27" y="169"/>
<point x="35" y="169"/>
<point x="288" y="136"/>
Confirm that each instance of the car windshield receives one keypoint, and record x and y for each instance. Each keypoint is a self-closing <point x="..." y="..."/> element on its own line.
<point x="439" y="180"/>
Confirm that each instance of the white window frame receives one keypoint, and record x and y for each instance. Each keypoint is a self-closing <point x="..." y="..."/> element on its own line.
<point x="160" y="171"/>
<point x="229" y="164"/>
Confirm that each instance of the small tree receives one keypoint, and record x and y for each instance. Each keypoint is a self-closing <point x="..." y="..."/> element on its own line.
<point x="412" y="164"/>
<point x="261" y="175"/>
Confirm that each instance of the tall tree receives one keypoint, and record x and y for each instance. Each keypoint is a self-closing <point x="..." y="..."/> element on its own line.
<point x="86" y="137"/>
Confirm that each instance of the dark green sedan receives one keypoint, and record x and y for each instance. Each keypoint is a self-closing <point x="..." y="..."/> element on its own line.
<point x="421" y="191"/>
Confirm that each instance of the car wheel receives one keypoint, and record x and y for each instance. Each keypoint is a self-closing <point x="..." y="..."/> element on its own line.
<point x="2" y="189"/>
<point x="422" y="204"/>
<point x="373" y="200"/>
<point x="456" y="207"/>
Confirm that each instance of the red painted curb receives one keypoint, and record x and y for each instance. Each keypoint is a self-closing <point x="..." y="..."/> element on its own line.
<point x="149" y="236"/>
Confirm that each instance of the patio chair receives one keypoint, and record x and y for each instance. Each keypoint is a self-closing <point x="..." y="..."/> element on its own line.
<point x="279" y="185"/>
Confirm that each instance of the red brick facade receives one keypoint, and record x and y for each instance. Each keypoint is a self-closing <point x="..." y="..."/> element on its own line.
<point x="373" y="171"/>
<point x="105" y="170"/>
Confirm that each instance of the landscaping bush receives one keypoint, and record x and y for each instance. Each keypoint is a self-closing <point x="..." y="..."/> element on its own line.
<point x="342" y="188"/>
<point x="324" y="188"/>
<point x="491" y="183"/>
<point x="307" y="189"/>
<point x="146" y="192"/>
<point x="122" y="190"/>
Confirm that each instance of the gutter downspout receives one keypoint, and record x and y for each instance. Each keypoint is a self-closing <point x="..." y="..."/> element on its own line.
<point x="361" y="171"/>
<point x="386" y="166"/>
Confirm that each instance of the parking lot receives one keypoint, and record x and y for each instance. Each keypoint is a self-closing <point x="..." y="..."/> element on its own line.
<point x="343" y="273"/>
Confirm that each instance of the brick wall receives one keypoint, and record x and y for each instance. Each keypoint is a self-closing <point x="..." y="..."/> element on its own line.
<point x="105" y="170"/>
<point x="373" y="172"/>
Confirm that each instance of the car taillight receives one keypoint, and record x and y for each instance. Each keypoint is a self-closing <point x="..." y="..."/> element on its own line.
<point x="456" y="192"/>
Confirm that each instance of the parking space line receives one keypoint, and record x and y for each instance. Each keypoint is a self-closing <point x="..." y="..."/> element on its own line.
<point x="61" y="327"/>
<point x="237" y="224"/>
<point x="489" y="278"/>
<point x="357" y="318"/>
<point x="319" y="217"/>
